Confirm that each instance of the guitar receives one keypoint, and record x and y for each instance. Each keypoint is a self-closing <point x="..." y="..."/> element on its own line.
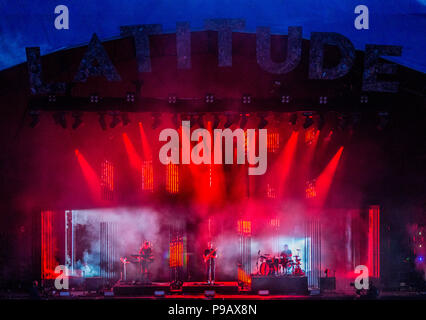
<point x="210" y="255"/>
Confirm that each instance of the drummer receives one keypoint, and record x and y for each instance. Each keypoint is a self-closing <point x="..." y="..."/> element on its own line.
<point x="286" y="252"/>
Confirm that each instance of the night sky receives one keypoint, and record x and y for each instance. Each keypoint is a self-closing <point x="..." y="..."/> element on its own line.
<point x="26" y="23"/>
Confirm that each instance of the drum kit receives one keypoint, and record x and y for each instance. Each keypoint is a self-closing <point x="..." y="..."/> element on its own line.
<point x="268" y="264"/>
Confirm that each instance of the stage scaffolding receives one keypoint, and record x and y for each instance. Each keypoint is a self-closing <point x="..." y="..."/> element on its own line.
<point x="313" y="252"/>
<point x="108" y="251"/>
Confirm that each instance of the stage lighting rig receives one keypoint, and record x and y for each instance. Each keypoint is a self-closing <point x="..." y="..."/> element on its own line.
<point x="323" y="100"/>
<point x="343" y="121"/>
<point x="130" y="97"/>
<point x="125" y="118"/>
<point x="115" y="119"/>
<point x="60" y="119"/>
<point x="156" y="120"/>
<point x="94" y="98"/>
<point x="244" y="120"/>
<point x="216" y="121"/>
<point x="172" y="99"/>
<point x="263" y="122"/>
<point x="102" y="121"/>
<point x="293" y="119"/>
<point x="229" y="119"/>
<point x="285" y="99"/>
<point x="209" y="98"/>
<point x="309" y="121"/>
<point x="77" y="115"/>
<point x="321" y="121"/>
<point x="246" y="99"/>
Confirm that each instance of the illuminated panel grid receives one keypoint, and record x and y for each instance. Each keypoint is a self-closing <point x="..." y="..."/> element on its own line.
<point x="107" y="180"/>
<point x="271" y="192"/>
<point x="172" y="178"/>
<point x="243" y="277"/>
<point x="374" y="241"/>
<point x="273" y="141"/>
<point x="310" y="189"/>
<point x="275" y="223"/>
<point x="176" y="253"/>
<point x="310" y="135"/>
<point x="244" y="227"/>
<point x="147" y="176"/>
<point x="48" y="261"/>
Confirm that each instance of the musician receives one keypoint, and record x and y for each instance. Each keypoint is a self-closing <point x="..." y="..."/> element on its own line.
<point x="286" y="252"/>
<point x="146" y="258"/>
<point x="210" y="255"/>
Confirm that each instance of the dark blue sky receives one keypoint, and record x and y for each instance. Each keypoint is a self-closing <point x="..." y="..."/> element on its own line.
<point x="31" y="23"/>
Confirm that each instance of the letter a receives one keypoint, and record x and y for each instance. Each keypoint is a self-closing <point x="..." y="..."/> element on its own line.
<point x="361" y="281"/>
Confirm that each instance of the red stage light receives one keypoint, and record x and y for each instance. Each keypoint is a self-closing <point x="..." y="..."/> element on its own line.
<point x="325" y="179"/>
<point x="90" y="176"/>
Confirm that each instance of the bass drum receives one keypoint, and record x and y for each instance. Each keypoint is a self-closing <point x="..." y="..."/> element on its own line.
<point x="267" y="269"/>
<point x="264" y="269"/>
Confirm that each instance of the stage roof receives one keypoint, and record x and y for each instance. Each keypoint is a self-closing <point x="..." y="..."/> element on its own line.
<point x="31" y="23"/>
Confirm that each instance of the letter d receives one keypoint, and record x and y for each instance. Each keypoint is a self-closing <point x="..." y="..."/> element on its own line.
<point x="61" y="281"/>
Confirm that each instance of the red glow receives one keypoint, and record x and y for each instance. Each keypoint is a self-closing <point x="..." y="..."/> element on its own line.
<point x="135" y="160"/>
<point x="284" y="164"/>
<point x="374" y="241"/>
<point x="48" y="261"/>
<point x="325" y="179"/>
<point x="107" y="180"/>
<point x="244" y="227"/>
<point x="90" y="176"/>
<point x="172" y="178"/>
<point x="147" y="154"/>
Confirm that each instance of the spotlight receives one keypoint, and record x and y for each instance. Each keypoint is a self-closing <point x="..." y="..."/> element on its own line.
<point x="229" y="120"/>
<point x="293" y="119"/>
<point x="342" y="122"/>
<point x="263" y="122"/>
<point x="35" y="118"/>
<point x="321" y="122"/>
<point x="125" y="118"/>
<point x="323" y="100"/>
<point x="115" y="119"/>
<point x="216" y="121"/>
<point x="51" y="98"/>
<point x="200" y="121"/>
<point x="209" y="98"/>
<point x="244" y="120"/>
<point x="156" y="120"/>
<point x="172" y="99"/>
<point x="285" y="99"/>
<point x="309" y="121"/>
<point x="94" y="98"/>
<point x="130" y="97"/>
<point x="102" y="121"/>
<point x="246" y="99"/>
<point x="59" y="118"/>
<point x="77" y="119"/>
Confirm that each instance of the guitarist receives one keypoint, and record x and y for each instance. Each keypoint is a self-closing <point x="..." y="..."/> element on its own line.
<point x="146" y="257"/>
<point x="210" y="255"/>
